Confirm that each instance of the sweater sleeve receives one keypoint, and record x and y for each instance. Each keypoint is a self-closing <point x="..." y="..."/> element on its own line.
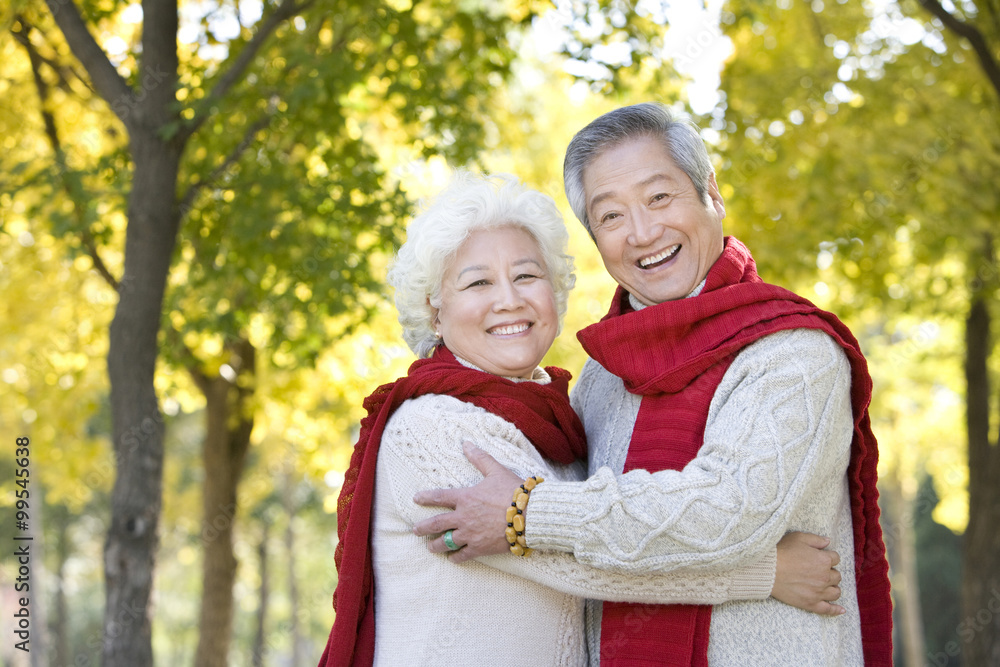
<point x="778" y="433"/>
<point x="421" y="449"/>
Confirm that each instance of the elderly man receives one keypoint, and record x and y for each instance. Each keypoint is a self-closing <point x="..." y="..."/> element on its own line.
<point x="721" y="412"/>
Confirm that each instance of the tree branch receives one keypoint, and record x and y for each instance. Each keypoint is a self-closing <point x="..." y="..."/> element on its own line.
<point x="95" y="257"/>
<point x="994" y="11"/>
<point x="964" y="29"/>
<point x="108" y="83"/>
<point x="21" y="29"/>
<point x="187" y="202"/>
<point x="21" y="34"/>
<point x="188" y="358"/>
<point x="230" y="77"/>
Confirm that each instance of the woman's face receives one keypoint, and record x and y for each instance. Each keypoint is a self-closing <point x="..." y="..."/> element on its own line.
<point x="498" y="310"/>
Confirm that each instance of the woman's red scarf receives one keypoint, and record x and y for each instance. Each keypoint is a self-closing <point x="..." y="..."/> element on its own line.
<point x="674" y="355"/>
<point x="541" y="412"/>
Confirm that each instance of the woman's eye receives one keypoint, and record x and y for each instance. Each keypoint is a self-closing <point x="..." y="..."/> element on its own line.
<point x="477" y="283"/>
<point x="525" y="276"/>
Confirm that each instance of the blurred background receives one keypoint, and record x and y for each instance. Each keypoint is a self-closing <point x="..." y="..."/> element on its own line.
<point x="199" y="202"/>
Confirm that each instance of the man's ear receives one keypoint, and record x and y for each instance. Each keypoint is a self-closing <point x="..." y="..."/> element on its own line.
<point x="713" y="193"/>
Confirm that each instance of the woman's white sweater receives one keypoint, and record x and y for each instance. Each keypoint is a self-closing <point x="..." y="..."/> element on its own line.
<point x="492" y="612"/>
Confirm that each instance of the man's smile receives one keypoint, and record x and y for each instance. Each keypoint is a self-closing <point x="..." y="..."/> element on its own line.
<point x="659" y="258"/>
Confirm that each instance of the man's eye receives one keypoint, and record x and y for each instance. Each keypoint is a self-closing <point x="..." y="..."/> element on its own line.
<point x="609" y="216"/>
<point x="658" y="197"/>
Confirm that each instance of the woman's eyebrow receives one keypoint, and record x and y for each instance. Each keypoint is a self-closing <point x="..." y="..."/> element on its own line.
<point x="478" y="267"/>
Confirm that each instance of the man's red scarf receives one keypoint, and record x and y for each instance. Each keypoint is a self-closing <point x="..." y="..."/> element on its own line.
<point x="674" y="355"/>
<point x="541" y="412"/>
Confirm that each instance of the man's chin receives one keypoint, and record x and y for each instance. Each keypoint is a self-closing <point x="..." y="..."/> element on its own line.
<point x="655" y="296"/>
<point x="660" y="292"/>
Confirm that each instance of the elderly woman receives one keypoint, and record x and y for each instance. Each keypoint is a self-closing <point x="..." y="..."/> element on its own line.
<point x="481" y="287"/>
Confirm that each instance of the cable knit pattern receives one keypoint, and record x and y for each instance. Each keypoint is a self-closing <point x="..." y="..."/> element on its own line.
<point x="777" y="444"/>
<point x="431" y="610"/>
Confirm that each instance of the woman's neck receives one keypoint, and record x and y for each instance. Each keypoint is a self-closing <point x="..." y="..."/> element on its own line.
<point x="538" y="375"/>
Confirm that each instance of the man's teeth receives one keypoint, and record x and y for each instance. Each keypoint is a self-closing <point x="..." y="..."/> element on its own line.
<point x="669" y="252"/>
<point x="512" y="329"/>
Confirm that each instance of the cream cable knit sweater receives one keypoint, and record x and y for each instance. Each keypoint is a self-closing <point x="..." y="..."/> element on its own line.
<point x="777" y="443"/>
<point x="431" y="611"/>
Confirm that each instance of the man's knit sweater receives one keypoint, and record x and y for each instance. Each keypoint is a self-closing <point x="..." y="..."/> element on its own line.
<point x="775" y="455"/>
<point x="431" y="611"/>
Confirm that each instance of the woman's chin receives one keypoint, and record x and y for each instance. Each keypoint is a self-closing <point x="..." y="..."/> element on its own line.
<point x="507" y="358"/>
<point x="522" y="368"/>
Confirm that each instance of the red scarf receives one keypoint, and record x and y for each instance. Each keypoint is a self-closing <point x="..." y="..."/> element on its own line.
<point x="541" y="412"/>
<point x="674" y="355"/>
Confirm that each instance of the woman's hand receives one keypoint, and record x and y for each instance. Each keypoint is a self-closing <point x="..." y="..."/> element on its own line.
<point x="805" y="576"/>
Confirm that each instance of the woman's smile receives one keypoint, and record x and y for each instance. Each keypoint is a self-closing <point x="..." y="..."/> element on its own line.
<point x="510" y="329"/>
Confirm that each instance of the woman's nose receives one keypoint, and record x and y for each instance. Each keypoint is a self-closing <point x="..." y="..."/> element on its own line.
<point x="508" y="296"/>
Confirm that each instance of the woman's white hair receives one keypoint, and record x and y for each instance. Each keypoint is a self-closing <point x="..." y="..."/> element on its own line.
<point x="470" y="203"/>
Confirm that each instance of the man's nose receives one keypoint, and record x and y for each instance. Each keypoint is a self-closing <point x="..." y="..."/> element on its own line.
<point x="644" y="229"/>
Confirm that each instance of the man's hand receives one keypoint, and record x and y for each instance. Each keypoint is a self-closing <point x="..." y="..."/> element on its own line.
<point x="805" y="577"/>
<point x="480" y="512"/>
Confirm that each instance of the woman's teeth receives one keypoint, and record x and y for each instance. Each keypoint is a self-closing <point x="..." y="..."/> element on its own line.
<point x="512" y="329"/>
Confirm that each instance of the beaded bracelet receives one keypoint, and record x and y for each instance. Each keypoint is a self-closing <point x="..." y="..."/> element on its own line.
<point x="515" y="517"/>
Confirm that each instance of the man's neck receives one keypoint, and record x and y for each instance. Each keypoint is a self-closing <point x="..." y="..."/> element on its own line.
<point x="638" y="305"/>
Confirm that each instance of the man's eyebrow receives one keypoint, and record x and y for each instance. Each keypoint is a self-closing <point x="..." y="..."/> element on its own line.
<point x="659" y="176"/>
<point x="599" y="198"/>
<point x="656" y="177"/>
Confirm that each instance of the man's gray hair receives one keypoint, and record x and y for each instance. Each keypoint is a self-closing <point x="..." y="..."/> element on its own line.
<point x="679" y="134"/>
<point x="470" y="203"/>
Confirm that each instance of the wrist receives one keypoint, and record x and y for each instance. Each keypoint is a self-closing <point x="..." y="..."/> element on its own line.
<point x="516" y="517"/>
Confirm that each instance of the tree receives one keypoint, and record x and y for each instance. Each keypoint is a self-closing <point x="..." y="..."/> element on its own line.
<point x="871" y="139"/>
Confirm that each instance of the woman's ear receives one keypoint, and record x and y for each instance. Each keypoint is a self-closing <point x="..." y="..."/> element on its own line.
<point x="435" y="320"/>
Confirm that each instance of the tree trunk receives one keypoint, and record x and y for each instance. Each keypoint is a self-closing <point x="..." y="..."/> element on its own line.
<point x="260" y="639"/>
<point x="900" y="541"/>
<point x="227" y="438"/>
<point x="293" y="588"/>
<point x="60" y="618"/>
<point x="979" y="631"/>
<point x="36" y="578"/>
<point x="137" y="425"/>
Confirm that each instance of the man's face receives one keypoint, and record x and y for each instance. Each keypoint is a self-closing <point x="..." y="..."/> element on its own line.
<point x="657" y="237"/>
